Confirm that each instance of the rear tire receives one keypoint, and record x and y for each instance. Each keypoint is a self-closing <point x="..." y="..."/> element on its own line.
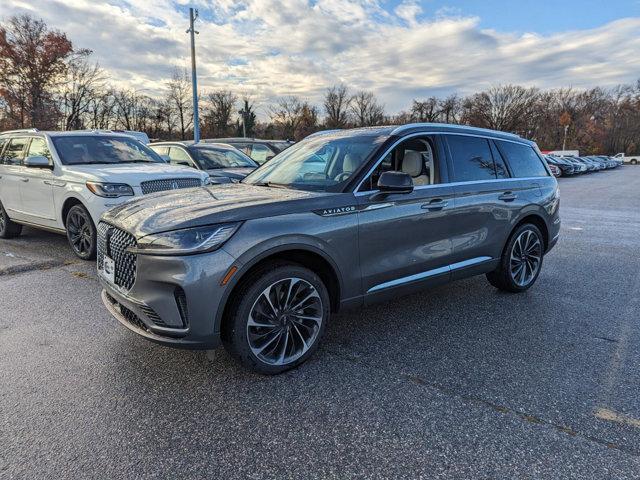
<point x="633" y="162"/>
<point x="521" y="260"/>
<point x="81" y="233"/>
<point x="8" y="229"/>
<point x="277" y="318"/>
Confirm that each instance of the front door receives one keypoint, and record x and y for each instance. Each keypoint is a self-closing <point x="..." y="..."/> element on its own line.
<point x="36" y="188"/>
<point x="404" y="238"/>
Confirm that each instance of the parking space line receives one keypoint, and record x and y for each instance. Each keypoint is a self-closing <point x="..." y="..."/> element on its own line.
<point x="611" y="416"/>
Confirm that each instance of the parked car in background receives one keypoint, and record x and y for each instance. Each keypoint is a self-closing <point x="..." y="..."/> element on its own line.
<point x="64" y="181"/>
<point x="566" y="167"/>
<point x="222" y="162"/>
<point x="555" y="170"/>
<point x="630" y="159"/>
<point x="260" y="151"/>
<point x="261" y="265"/>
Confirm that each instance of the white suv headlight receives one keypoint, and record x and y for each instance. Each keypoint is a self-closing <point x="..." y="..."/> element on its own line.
<point x="187" y="241"/>
<point x="110" y="190"/>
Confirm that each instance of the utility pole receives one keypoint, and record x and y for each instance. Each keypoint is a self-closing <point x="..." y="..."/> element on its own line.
<point x="193" y="15"/>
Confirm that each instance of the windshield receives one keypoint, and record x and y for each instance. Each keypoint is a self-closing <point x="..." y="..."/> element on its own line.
<point x="322" y="163"/>
<point x="210" y="158"/>
<point x="101" y="149"/>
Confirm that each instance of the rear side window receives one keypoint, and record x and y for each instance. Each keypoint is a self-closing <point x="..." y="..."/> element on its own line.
<point x="472" y="159"/>
<point x="523" y="160"/>
<point x="14" y="152"/>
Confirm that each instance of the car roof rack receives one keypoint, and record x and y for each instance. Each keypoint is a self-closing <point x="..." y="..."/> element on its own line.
<point x="20" y="130"/>
<point x="448" y="126"/>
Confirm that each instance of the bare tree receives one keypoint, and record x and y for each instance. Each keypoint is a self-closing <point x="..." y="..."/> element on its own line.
<point x="365" y="110"/>
<point x="248" y="116"/>
<point x="179" y="99"/>
<point x="504" y="107"/>
<point x="220" y="106"/>
<point x="426" y="110"/>
<point x="336" y="106"/>
<point x="84" y="81"/>
<point x="286" y="115"/>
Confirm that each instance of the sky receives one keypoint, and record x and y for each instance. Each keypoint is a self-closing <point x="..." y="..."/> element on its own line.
<point x="399" y="49"/>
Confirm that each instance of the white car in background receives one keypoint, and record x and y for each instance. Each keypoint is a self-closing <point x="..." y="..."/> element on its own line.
<point x="64" y="181"/>
<point x="630" y="159"/>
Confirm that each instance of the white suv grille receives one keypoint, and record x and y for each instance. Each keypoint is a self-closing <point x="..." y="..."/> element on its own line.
<point x="153" y="186"/>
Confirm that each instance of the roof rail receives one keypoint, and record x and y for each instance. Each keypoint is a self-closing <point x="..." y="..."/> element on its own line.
<point x="20" y="130"/>
<point x="410" y="126"/>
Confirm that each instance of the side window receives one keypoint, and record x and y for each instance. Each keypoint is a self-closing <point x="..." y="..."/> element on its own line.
<point x="38" y="148"/>
<point x="415" y="156"/>
<point x="260" y="152"/>
<point x="160" y="150"/>
<point x="523" y="160"/>
<point x="471" y="157"/>
<point x="14" y="153"/>
<point x="501" y="168"/>
<point x="179" y="157"/>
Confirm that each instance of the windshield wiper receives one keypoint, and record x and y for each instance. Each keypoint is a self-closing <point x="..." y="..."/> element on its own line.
<point x="271" y="184"/>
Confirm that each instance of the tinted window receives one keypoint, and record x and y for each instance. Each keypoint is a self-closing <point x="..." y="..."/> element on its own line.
<point x="472" y="158"/>
<point x="38" y="148"/>
<point x="159" y="150"/>
<point x="211" y="158"/>
<point x="13" y="153"/>
<point x="523" y="160"/>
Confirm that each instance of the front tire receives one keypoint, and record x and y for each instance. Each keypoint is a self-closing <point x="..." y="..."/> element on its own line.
<point x="277" y="318"/>
<point x="521" y="260"/>
<point x="81" y="233"/>
<point x="8" y="229"/>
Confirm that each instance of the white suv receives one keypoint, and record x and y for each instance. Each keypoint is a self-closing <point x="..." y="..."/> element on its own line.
<point x="64" y="181"/>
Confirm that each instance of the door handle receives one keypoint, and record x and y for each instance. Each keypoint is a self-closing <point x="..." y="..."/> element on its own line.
<point x="25" y="180"/>
<point x="435" y="204"/>
<point x="55" y="183"/>
<point x="508" y="197"/>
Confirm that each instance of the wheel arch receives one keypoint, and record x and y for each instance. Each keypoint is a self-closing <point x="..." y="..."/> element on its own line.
<point x="305" y="255"/>
<point x="537" y="220"/>
<point x="67" y="205"/>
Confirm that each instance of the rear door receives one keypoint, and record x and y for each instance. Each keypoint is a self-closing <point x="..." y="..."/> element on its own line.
<point x="486" y="199"/>
<point x="13" y="176"/>
<point x="36" y="187"/>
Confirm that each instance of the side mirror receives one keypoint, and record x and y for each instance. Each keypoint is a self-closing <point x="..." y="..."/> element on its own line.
<point x="37" y="161"/>
<point x="395" y="182"/>
<point x="269" y="157"/>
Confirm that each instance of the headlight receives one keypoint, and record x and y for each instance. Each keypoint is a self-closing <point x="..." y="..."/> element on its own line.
<point x="110" y="190"/>
<point x="187" y="241"/>
<point x="206" y="181"/>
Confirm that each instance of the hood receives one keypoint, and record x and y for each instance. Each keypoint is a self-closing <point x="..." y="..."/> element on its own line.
<point x="193" y="207"/>
<point x="237" y="173"/>
<point x="133" y="173"/>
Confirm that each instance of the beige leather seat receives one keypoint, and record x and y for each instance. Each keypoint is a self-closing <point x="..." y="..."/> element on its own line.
<point x="413" y="164"/>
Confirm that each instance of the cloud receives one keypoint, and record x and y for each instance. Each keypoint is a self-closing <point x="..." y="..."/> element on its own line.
<point x="272" y="48"/>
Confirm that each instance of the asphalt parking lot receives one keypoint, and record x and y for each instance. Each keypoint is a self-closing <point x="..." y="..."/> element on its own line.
<point x="457" y="382"/>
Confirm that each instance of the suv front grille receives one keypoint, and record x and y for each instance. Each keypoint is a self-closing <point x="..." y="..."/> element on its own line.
<point x="153" y="186"/>
<point x="113" y="242"/>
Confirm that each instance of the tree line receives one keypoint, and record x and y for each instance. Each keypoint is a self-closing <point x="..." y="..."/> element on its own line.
<point x="48" y="83"/>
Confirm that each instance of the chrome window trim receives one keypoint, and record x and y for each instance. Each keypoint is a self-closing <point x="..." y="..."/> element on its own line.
<point x="429" y="273"/>
<point x="422" y="134"/>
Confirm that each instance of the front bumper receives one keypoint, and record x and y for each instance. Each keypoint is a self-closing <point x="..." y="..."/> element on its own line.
<point x="174" y="301"/>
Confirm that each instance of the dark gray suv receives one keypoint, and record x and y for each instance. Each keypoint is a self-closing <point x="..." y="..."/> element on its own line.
<point x="341" y="219"/>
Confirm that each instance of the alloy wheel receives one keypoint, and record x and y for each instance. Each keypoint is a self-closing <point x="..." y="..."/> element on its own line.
<point x="284" y="321"/>
<point x="526" y="256"/>
<point x="79" y="228"/>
